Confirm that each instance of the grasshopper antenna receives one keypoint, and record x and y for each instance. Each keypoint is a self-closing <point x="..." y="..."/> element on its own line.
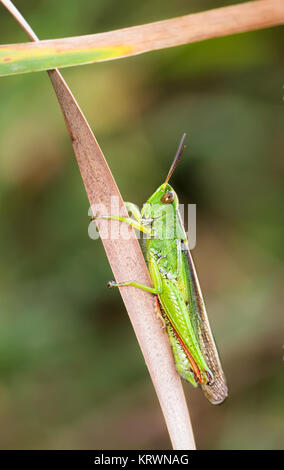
<point x="179" y="153"/>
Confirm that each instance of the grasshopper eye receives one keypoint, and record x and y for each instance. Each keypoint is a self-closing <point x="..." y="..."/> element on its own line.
<point x="168" y="197"/>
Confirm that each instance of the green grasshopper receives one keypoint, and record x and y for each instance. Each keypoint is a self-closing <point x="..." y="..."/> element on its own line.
<point x="177" y="288"/>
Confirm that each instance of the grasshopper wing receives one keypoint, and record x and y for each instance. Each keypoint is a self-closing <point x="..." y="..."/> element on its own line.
<point x="217" y="391"/>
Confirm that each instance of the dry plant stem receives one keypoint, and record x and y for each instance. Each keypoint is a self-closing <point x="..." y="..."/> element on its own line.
<point x="138" y="39"/>
<point x="126" y="261"/>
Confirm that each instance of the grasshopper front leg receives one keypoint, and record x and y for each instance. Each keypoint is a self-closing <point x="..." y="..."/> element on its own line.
<point x="137" y="223"/>
<point x="129" y="221"/>
<point x="134" y="210"/>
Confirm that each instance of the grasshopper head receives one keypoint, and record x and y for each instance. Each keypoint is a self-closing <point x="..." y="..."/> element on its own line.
<point x="162" y="198"/>
<point x="160" y="211"/>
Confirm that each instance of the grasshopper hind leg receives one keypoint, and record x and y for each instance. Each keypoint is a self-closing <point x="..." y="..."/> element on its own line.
<point x="182" y="363"/>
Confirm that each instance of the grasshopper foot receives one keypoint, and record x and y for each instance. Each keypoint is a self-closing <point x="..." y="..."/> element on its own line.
<point x="111" y="284"/>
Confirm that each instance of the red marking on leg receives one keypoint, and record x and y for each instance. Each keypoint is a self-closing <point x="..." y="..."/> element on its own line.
<point x="186" y="351"/>
<point x="190" y="358"/>
<point x="157" y="303"/>
<point x="157" y="306"/>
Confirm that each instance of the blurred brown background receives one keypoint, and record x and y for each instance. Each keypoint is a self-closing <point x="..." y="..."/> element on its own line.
<point x="71" y="372"/>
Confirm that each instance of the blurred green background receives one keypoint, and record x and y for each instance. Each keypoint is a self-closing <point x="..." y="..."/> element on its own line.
<point x="71" y="373"/>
